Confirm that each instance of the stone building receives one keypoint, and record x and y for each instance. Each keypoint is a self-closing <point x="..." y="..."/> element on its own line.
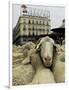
<point x="30" y="27"/>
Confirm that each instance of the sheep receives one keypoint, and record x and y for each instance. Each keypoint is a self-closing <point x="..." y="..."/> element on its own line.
<point x="20" y="49"/>
<point x="22" y="74"/>
<point x="28" y="45"/>
<point x="58" y="66"/>
<point x="39" y="62"/>
<point x="26" y="48"/>
<point x="60" y="49"/>
<point x="17" y="49"/>
<point x="46" y="46"/>
<point x="42" y="75"/>
<point x="21" y="52"/>
<point x="17" y="54"/>
<point x="49" y="50"/>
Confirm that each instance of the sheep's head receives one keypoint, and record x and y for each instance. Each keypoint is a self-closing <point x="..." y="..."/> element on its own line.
<point x="46" y="46"/>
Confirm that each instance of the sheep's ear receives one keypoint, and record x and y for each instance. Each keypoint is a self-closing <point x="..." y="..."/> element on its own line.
<point x="38" y="44"/>
<point x="56" y="47"/>
<point x="38" y="47"/>
<point x="26" y="61"/>
<point x="54" y="50"/>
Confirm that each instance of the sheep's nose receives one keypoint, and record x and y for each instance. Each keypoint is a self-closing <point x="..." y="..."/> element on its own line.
<point x="47" y="58"/>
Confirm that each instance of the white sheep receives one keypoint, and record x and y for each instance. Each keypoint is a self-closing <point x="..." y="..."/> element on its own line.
<point x="21" y="52"/>
<point x="28" y="45"/>
<point x="22" y="74"/>
<point x="46" y="46"/>
<point x="42" y="75"/>
<point x="59" y="66"/>
<point x="40" y="61"/>
<point x="49" y="50"/>
<point x="26" y="48"/>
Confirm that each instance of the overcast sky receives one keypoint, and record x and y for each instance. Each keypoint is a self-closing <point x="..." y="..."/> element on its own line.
<point x="57" y="14"/>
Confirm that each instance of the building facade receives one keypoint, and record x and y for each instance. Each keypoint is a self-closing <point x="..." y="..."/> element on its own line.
<point x="29" y="27"/>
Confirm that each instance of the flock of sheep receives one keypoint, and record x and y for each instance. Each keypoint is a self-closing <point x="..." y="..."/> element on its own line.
<point x="40" y="63"/>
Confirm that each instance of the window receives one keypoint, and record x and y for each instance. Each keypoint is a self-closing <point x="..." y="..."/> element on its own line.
<point x="33" y="33"/>
<point x="18" y="32"/>
<point x="33" y="28"/>
<point x="47" y="31"/>
<point x="43" y="23"/>
<point x="36" y="22"/>
<point x="29" y="33"/>
<point x="36" y="33"/>
<point x="33" y="22"/>
<point x="24" y="28"/>
<point x="29" y="29"/>
<point x="47" y="23"/>
<point x="43" y="30"/>
<point x="39" y="29"/>
<point x="40" y="22"/>
<point x="29" y="22"/>
<point x="24" y="21"/>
